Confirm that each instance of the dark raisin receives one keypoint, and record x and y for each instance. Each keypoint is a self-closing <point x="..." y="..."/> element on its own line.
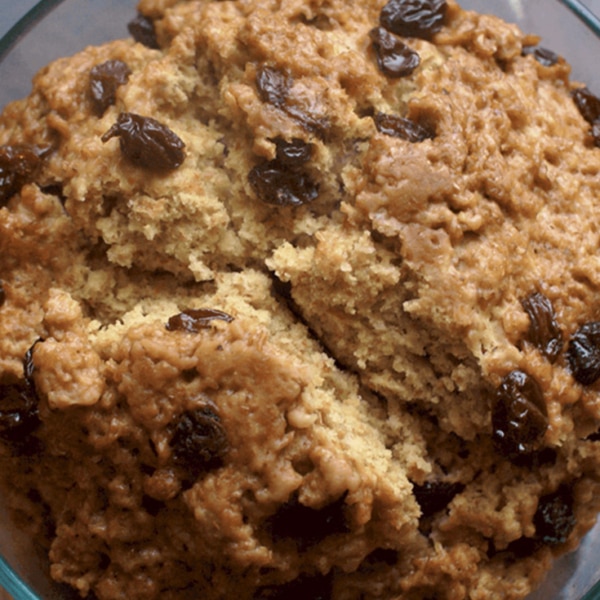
<point x="104" y="561"/>
<point x="294" y="153"/>
<point x="273" y="85"/>
<point x="282" y="181"/>
<point x="199" y="441"/>
<point x="402" y="128"/>
<point x="306" y="587"/>
<point x="195" y="319"/>
<point x="394" y="58"/>
<point x="545" y="457"/>
<point x="151" y="505"/>
<point x="105" y="78"/>
<point x="595" y="131"/>
<point x="587" y="103"/>
<point x="593" y="437"/>
<point x="274" y="183"/>
<point x="554" y="519"/>
<point x="434" y="496"/>
<point x="583" y="353"/>
<point x="545" y="57"/>
<point x="2" y="294"/>
<point x="28" y="367"/>
<point x="19" y="165"/>
<point x="413" y="18"/>
<point x="19" y="424"/>
<point x="142" y="30"/>
<point x="146" y="142"/>
<point x="18" y="412"/>
<point x="544" y="332"/>
<point x="519" y="416"/>
<point x="149" y="469"/>
<point x="307" y="526"/>
<point x="317" y="125"/>
<point x="519" y="548"/>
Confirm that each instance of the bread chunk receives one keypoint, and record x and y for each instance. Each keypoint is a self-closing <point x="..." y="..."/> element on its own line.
<point x="295" y="304"/>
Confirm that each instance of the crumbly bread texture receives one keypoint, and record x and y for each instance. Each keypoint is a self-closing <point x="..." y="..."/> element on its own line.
<point x="378" y="394"/>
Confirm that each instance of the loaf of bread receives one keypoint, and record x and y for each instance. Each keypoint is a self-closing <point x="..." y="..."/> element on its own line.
<point x="300" y="300"/>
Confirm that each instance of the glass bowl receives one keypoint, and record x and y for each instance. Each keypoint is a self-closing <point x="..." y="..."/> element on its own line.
<point x="55" y="28"/>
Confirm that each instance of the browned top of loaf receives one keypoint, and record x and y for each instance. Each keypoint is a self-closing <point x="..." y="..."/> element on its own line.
<point x="369" y="373"/>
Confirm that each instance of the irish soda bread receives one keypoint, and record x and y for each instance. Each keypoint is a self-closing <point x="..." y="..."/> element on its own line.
<point x="300" y="299"/>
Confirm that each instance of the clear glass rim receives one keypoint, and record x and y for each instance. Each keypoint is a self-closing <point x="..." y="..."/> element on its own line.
<point x="584" y="13"/>
<point x="13" y="584"/>
<point x="11" y="37"/>
<point x="591" y="20"/>
<point x="594" y="593"/>
<point x="9" y="580"/>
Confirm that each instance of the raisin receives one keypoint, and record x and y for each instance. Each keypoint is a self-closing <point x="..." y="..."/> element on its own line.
<point x="146" y="142"/>
<point x="142" y="30"/>
<point x="307" y="526"/>
<point x="394" y="58"/>
<point x="544" y="332"/>
<point x="518" y="549"/>
<point x="105" y="78"/>
<point x="2" y="294"/>
<point x="28" y="368"/>
<point x="195" y="319"/>
<point x="275" y="184"/>
<point x="554" y="519"/>
<point x="519" y="416"/>
<point x="317" y="125"/>
<point x="294" y="153"/>
<point x="151" y="505"/>
<point x="306" y="587"/>
<point x="593" y="437"/>
<point x="19" y="417"/>
<point x="545" y="57"/>
<point x="545" y="457"/>
<point x="587" y="103"/>
<point x="199" y="441"/>
<point x="595" y="131"/>
<point x="18" y="412"/>
<point x="413" y="18"/>
<point x="282" y="181"/>
<point x="104" y="561"/>
<point x="583" y="353"/>
<point x="589" y="107"/>
<point x="273" y="85"/>
<point x="19" y="165"/>
<point x="434" y="496"/>
<point x="401" y="127"/>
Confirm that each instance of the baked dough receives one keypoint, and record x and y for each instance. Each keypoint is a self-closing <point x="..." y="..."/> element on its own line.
<point x="277" y="322"/>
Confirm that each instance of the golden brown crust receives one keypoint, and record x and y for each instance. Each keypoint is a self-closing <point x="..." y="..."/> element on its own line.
<point x="343" y="405"/>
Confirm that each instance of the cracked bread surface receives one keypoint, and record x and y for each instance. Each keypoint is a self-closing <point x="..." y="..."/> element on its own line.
<point x="333" y="391"/>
